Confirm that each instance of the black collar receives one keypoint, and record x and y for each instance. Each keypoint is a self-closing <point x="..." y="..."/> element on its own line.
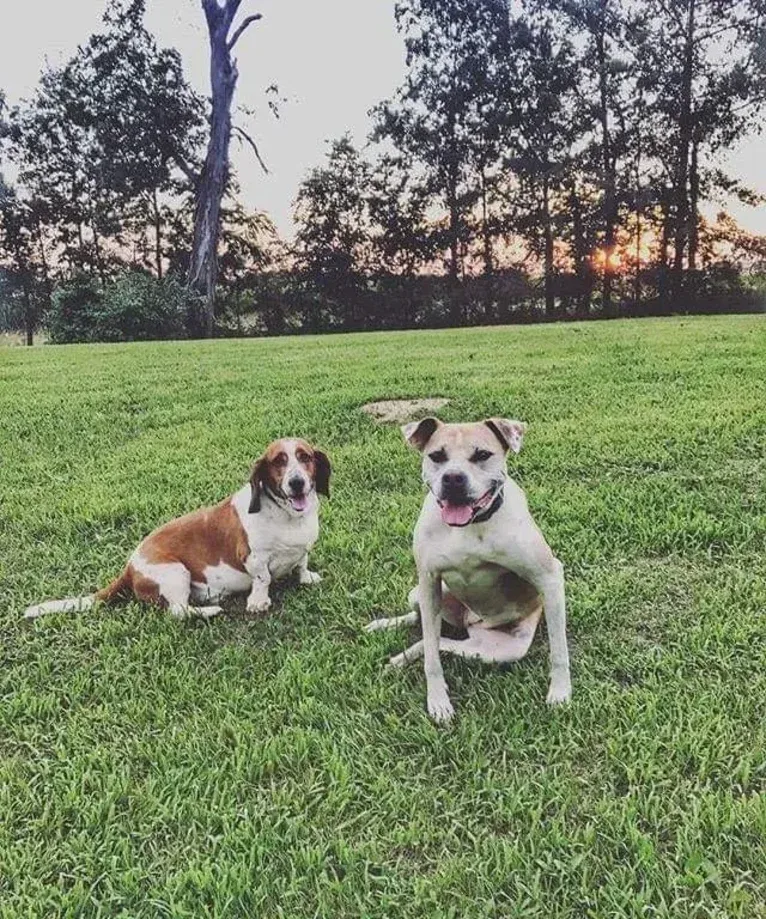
<point x="493" y="508"/>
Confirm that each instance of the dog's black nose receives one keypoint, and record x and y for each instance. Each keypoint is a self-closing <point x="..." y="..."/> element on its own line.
<point x="296" y="484"/>
<point x="454" y="487"/>
<point x="454" y="480"/>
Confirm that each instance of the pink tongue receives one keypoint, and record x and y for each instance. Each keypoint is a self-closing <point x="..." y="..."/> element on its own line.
<point x="456" y="515"/>
<point x="299" y="502"/>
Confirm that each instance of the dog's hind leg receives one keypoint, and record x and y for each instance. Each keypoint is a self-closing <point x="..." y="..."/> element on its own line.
<point x="394" y="622"/>
<point x="495" y="646"/>
<point x="169" y="584"/>
<point x="413" y="653"/>
<point x="452" y="611"/>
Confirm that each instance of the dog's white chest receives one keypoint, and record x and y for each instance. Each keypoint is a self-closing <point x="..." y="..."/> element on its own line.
<point x="276" y="540"/>
<point x="468" y="561"/>
<point x="286" y="547"/>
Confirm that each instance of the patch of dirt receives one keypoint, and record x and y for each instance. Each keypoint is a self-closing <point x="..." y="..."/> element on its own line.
<point x="397" y="411"/>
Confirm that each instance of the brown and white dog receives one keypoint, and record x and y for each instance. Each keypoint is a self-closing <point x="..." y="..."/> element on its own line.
<point x="483" y="564"/>
<point x="263" y="532"/>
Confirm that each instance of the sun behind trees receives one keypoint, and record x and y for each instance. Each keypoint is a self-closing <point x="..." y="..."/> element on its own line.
<point x="539" y="160"/>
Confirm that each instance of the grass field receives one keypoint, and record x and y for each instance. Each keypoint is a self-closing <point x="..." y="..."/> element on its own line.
<point x="270" y="768"/>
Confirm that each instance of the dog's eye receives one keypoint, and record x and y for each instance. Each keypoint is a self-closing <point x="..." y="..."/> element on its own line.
<point x="280" y="459"/>
<point x="438" y="456"/>
<point x="303" y="457"/>
<point x="480" y="456"/>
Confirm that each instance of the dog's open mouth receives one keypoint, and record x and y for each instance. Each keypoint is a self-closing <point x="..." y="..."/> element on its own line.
<point x="460" y="515"/>
<point x="299" y="502"/>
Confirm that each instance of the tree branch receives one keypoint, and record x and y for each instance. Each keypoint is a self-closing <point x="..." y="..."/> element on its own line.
<point x="229" y="10"/>
<point x="185" y="168"/>
<point x="212" y="13"/>
<point x="246" y="137"/>
<point x="245" y="23"/>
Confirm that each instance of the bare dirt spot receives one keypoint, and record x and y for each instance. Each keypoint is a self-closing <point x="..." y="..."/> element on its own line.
<point x="397" y="411"/>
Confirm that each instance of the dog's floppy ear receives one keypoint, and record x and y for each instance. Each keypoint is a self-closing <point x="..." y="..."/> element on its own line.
<point x="509" y="433"/>
<point x="322" y="473"/>
<point x="257" y="477"/>
<point x="418" y="433"/>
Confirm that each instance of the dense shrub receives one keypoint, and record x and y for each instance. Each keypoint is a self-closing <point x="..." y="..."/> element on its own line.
<point x="74" y="306"/>
<point x="133" y="307"/>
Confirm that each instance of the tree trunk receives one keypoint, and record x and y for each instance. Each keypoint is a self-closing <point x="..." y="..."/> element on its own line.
<point x="580" y="255"/>
<point x="550" y="299"/>
<point x="610" y="179"/>
<point x="637" y="278"/>
<point x="694" y="191"/>
<point x="97" y="255"/>
<point x="639" y="207"/>
<point x="489" y="261"/>
<point x="662" y="283"/>
<point x="29" y="316"/>
<point x="682" y="164"/>
<point x="81" y="251"/>
<point x="203" y="264"/>
<point x="157" y="234"/>
<point x="44" y="266"/>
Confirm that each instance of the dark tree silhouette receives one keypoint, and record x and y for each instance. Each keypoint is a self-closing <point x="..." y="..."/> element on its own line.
<point x="211" y="185"/>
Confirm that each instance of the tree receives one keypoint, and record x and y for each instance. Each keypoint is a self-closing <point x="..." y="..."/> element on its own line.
<point x="604" y="89"/>
<point x="333" y="234"/>
<point x="20" y="248"/>
<point x="105" y="140"/>
<point x="543" y="131"/>
<point x="702" y="59"/>
<point x="211" y="186"/>
<point x="443" y="117"/>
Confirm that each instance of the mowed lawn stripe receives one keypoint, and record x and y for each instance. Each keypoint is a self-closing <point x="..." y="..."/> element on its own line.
<point x="271" y="767"/>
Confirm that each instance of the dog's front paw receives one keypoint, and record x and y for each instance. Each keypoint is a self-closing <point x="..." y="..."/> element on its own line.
<point x="439" y="706"/>
<point x="560" y="690"/>
<point x="308" y="578"/>
<point x="258" y="605"/>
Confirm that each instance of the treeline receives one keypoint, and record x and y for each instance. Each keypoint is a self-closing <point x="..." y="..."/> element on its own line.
<point x="542" y="159"/>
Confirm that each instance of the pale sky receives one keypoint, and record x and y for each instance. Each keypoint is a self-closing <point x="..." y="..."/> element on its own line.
<point x="333" y="60"/>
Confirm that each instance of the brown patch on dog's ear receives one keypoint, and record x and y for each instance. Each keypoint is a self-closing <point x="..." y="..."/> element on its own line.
<point x="257" y="478"/>
<point x="509" y="433"/>
<point x="322" y="470"/>
<point x="418" y="433"/>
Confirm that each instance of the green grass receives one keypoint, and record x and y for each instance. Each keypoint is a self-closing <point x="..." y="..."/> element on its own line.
<point x="270" y="768"/>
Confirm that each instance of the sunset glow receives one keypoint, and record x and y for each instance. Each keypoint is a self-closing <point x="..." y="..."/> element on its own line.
<point x="603" y="259"/>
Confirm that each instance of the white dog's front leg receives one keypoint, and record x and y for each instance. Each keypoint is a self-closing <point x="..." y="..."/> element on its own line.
<point x="429" y="592"/>
<point x="550" y="583"/>
<point x="305" y="576"/>
<point x="259" y="600"/>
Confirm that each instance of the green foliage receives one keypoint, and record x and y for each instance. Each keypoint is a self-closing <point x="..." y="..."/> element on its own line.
<point x="565" y="145"/>
<point x="133" y="307"/>
<point x="75" y="308"/>
<point x="106" y="141"/>
<point x="272" y="767"/>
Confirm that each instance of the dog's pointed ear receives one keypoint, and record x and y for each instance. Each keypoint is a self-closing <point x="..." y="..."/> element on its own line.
<point x="322" y="472"/>
<point x="256" y="485"/>
<point x="509" y="433"/>
<point x="418" y="433"/>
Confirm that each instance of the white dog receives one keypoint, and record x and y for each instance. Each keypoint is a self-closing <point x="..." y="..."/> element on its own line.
<point x="482" y="563"/>
<point x="261" y="533"/>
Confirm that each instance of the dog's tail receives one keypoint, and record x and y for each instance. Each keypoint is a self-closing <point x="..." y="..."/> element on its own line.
<point x="79" y="604"/>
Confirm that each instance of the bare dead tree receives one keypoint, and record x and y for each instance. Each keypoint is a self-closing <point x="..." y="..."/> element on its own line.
<point x="211" y="185"/>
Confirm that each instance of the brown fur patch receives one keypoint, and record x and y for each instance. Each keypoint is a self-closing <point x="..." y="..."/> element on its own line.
<point x="204" y="537"/>
<point x="144" y="588"/>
